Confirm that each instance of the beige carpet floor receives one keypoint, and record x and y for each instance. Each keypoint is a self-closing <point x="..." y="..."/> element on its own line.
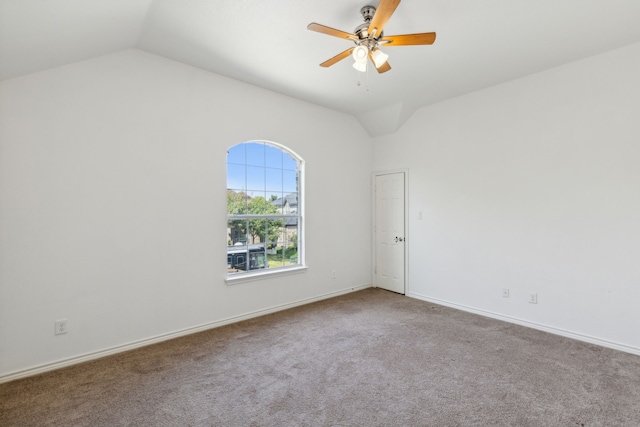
<point x="370" y="358"/>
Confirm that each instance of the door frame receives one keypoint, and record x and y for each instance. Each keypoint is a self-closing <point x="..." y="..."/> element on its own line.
<point x="375" y="174"/>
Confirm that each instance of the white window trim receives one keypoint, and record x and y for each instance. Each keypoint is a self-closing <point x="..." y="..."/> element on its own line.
<point x="252" y="276"/>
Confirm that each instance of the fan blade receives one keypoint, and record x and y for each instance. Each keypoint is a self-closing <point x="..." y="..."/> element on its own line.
<point x="383" y="68"/>
<point x="408" y="39"/>
<point x="338" y="57"/>
<point x="383" y="13"/>
<point x="331" y="31"/>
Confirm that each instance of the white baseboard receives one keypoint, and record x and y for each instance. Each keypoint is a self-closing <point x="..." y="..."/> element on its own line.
<point x="164" y="337"/>
<point x="533" y="325"/>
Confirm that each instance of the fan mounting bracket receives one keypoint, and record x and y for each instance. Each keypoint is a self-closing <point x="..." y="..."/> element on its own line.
<point x="368" y="12"/>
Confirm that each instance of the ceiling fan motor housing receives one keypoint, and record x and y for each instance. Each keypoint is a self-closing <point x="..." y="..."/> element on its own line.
<point x="362" y="30"/>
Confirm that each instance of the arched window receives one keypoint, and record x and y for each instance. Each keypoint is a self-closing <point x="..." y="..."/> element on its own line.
<point x="264" y="208"/>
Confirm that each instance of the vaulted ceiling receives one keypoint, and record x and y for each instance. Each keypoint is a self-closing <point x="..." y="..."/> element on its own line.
<point x="479" y="43"/>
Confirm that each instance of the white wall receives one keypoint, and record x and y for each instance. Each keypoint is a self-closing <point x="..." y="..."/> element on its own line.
<point x="533" y="185"/>
<point x="113" y="204"/>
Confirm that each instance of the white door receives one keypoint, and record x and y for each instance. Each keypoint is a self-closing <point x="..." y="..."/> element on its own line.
<point x="390" y="232"/>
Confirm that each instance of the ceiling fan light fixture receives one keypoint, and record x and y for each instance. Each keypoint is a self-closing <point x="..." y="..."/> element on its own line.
<point x="360" y="54"/>
<point x="360" y="66"/>
<point x="379" y="57"/>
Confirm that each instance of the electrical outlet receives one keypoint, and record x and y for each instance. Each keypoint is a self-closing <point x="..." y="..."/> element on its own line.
<point x="333" y="274"/>
<point x="505" y="292"/>
<point x="62" y="326"/>
<point x="533" y="298"/>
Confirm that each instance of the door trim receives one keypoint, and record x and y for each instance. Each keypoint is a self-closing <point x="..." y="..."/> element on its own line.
<point x="375" y="174"/>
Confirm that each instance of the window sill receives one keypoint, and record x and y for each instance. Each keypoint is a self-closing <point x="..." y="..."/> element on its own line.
<point x="250" y="277"/>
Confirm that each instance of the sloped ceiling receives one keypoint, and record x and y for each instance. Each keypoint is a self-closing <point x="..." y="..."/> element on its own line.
<point x="479" y="43"/>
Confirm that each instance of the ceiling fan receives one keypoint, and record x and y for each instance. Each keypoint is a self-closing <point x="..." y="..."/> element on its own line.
<point x="369" y="37"/>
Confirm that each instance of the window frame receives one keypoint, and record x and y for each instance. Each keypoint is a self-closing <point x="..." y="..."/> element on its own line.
<point x="300" y="266"/>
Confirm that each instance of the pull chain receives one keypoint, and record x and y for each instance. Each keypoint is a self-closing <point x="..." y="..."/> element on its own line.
<point x="367" y="78"/>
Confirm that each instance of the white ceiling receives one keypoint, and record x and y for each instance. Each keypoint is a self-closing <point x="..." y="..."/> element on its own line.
<point x="479" y="43"/>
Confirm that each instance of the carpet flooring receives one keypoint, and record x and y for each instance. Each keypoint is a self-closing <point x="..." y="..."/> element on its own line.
<point x="369" y="358"/>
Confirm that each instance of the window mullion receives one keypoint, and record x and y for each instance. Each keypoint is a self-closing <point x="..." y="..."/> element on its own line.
<point x="241" y="216"/>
